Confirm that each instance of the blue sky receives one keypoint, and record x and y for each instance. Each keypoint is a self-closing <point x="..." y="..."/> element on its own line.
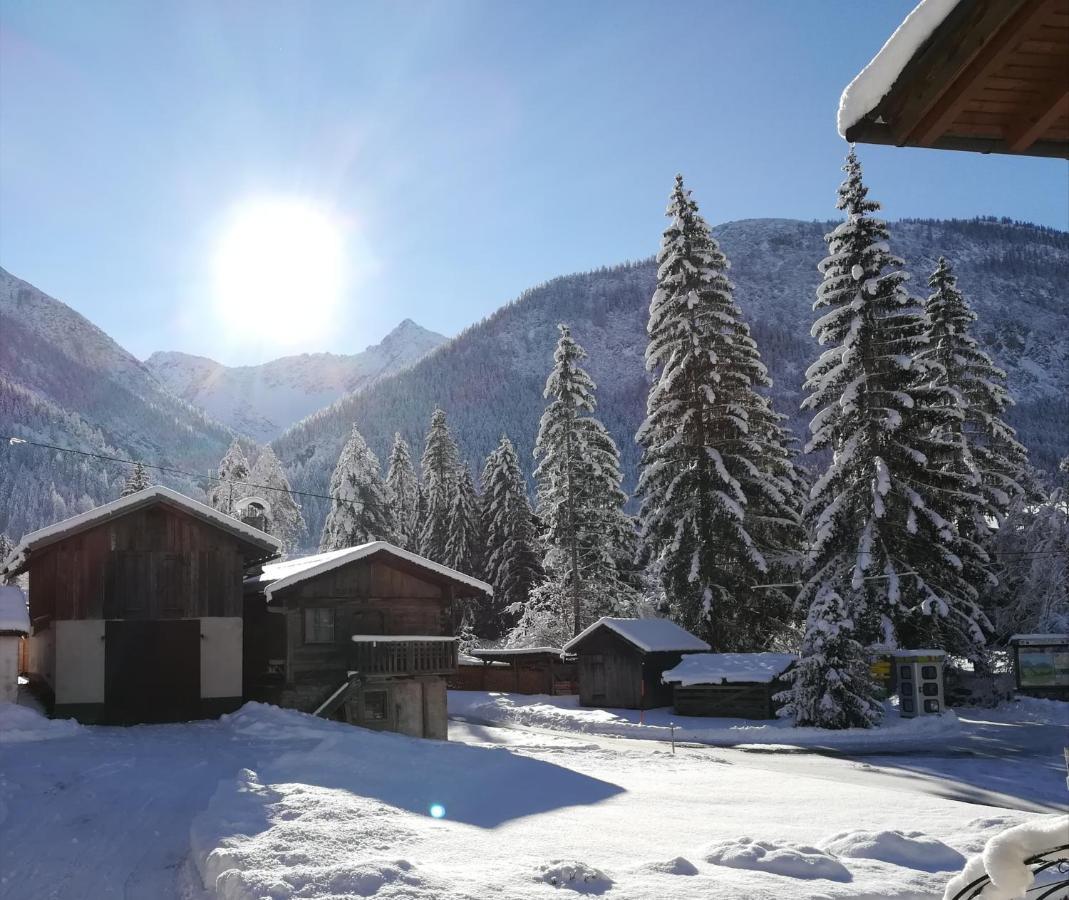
<point x="464" y="151"/>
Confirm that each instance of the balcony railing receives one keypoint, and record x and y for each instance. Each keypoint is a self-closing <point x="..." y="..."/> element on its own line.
<point x="378" y="654"/>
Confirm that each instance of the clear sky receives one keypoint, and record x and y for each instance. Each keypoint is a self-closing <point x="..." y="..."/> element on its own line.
<point x="458" y="152"/>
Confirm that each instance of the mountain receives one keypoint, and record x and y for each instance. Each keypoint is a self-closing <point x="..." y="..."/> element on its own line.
<point x="261" y="401"/>
<point x="64" y="382"/>
<point x="490" y="378"/>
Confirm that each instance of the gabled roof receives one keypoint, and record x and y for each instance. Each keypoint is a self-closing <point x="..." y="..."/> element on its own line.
<point x="649" y="635"/>
<point x="281" y="575"/>
<point x="729" y="668"/>
<point x="150" y="496"/>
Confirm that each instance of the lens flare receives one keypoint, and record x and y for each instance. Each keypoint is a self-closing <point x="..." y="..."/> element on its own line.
<point x="437" y="811"/>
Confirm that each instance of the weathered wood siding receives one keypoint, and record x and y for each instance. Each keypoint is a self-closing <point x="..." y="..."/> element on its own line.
<point x="152" y="563"/>
<point x="614" y="673"/>
<point x="748" y="700"/>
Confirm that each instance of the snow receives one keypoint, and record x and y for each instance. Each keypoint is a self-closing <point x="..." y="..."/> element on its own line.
<point x="274" y="803"/>
<point x="132" y="501"/>
<point x="874" y="81"/>
<point x="1003" y="858"/>
<point x="14" y="615"/>
<point x="912" y="849"/>
<point x="286" y="574"/>
<point x="20" y="724"/>
<point x="1040" y="639"/>
<point x="729" y="668"/>
<point x="649" y="635"/>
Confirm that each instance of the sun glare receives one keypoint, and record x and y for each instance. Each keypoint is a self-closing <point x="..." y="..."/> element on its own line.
<point x="279" y="272"/>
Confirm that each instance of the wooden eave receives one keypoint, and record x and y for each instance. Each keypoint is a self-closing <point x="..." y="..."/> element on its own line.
<point x="992" y="78"/>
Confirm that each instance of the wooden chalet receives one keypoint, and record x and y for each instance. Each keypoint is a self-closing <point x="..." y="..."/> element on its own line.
<point x="136" y="608"/>
<point x="621" y="661"/>
<point x="984" y="75"/>
<point x="729" y="685"/>
<point x="517" y="670"/>
<point x="364" y="634"/>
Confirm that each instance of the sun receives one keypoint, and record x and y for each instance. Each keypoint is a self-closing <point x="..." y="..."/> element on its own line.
<point x="279" y="271"/>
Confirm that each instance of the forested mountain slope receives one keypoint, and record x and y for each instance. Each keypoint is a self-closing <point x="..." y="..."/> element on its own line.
<point x="63" y="381"/>
<point x="262" y="401"/>
<point x="490" y="378"/>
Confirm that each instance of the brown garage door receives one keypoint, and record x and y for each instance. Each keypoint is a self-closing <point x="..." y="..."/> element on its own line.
<point x="152" y="670"/>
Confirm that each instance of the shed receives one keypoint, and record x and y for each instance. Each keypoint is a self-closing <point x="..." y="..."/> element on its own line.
<point x="729" y="685"/>
<point x="1041" y="664"/>
<point x="14" y="627"/>
<point x="365" y="634"/>
<point x="518" y="670"/>
<point x="985" y="75"/>
<point x="621" y="661"/>
<point x="135" y="608"/>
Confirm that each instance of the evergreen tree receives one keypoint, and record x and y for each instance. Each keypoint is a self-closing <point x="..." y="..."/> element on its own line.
<point x="464" y="544"/>
<point x="710" y="483"/>
<point x="830" y="685"/>
<point x="228" y="488"/>
<point x="440" y="465"/>
<point x="360" y="509"/>
<point x="512" y="559"/>
<point x="7" y="547"/>
<point x="284" y="518"/>
<point x="137" y="480"/>
<point x="403" y="487"/>
<point x="580" y="503"/>
<point x="881" y="540"/>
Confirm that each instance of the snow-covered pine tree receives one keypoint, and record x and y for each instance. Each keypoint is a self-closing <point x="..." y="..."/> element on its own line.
<point x="879" y="536"/>
<point x="830" y="684"/>
<point x="360" y="509"/>
<point x="6" y="547"/>
<point x="228" y="488"/>
<point x="464" y="544"/>
<point x="580" y="503"/>
<point x="512" y="558"/>
<point x="440" y="467"/>
<point x="709" y="479"/>
<point x="137" y="480"/>
<point x="284" y="519"/>
<point x="403" y="487"/>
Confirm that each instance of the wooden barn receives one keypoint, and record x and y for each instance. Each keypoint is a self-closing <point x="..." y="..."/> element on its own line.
<point x="136" y="608"/>
<point x="365" y="634"/>
<point x="517" y="670"/>
<point x="729" y="685"/>
<point x="621" y="661"/>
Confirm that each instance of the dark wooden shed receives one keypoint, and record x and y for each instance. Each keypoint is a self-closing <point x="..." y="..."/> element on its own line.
<point x="365" y="634"/>
<point x="518" y="670"/>
<point x="135" y="608"/>
<point x="729" y="685"/>
<point x="621" y="661"/>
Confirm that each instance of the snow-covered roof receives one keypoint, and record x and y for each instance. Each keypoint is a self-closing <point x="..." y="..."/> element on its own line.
<point x="649" y="635"/>
<point x="494" y="652"/>
<point x="280" y="575"/>
<point x="1040" y="639"/>
<point x="875" y="81"/>
<point x="729" y="668"/>
<point x="14" y="616"/>
<point x="914" y="654"/>
<point x="156" y="493"/>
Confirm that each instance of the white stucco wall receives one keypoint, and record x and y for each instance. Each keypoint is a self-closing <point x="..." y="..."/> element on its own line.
<point x="9" y="667"/>
<point x="220" y="656"/>
<point x="79" y="661"/>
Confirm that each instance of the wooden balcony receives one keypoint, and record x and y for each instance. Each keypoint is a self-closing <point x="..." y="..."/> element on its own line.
<point x="394" y="655"/>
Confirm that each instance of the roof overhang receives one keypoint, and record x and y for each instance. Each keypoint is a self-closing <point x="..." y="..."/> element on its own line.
<point x="260" y="546"/>
<point x="990" y="76"/>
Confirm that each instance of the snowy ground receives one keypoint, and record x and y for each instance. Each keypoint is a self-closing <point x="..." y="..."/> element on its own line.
<point x="267" y="803"/>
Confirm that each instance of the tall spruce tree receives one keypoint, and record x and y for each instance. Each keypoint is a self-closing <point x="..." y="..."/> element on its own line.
<point x="464" y="544"/>
<point x="284" y="518"/>
<point x="880" y="539"/>
<point x="580" y="502"/>
<point x="512" y="564"/>
<point x="137" y="480"/>
<point x="229" y="487"/>
<point x="403" y="487"/>
<point x="360" y="508"/>
<point x="441" y="467"/>
<point x="711" y="483"/>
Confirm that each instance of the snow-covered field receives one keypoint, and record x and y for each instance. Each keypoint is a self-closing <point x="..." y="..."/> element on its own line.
<point x="273" y="803"/>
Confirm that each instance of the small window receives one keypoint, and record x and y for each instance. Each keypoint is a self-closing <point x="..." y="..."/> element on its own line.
<point x="905" y="673"/>
<point x="931" y="689"/>
<point x="375" y="706"/>
<point x="319" y="626"/>
<point x="931" y="706"/>
<point x="907" y="704"/>
<point x="928" y="672"/>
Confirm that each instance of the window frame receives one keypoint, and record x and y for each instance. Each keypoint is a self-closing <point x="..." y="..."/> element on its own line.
<point x="313" y="628"/>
